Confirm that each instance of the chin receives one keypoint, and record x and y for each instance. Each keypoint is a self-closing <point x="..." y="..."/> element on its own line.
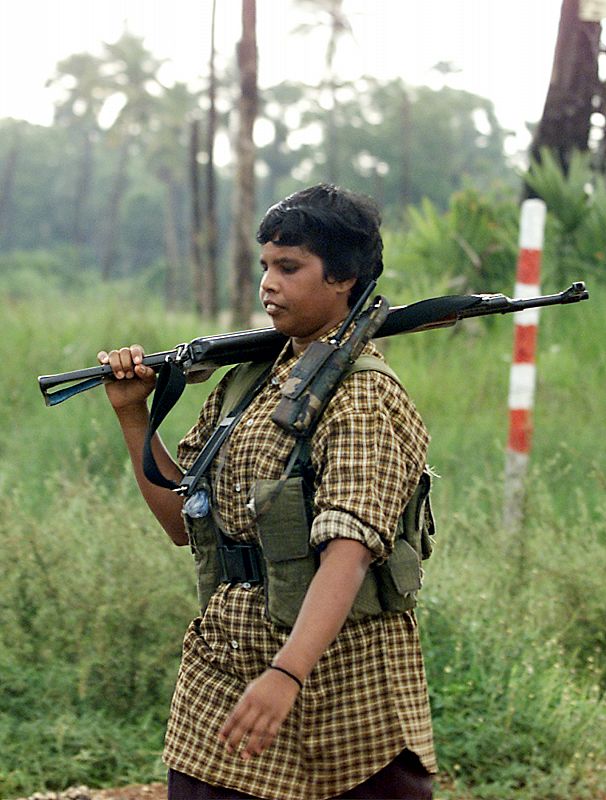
<point x="282" y="326"/>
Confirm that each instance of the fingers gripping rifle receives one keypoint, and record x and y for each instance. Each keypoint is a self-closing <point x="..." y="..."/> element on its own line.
<point x="264" y="344"/>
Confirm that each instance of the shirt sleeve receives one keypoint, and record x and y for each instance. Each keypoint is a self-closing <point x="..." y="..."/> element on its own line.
<point x="368" y="453"/>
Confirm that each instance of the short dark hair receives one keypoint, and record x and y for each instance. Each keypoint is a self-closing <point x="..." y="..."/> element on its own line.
<point x="339" y="226"/>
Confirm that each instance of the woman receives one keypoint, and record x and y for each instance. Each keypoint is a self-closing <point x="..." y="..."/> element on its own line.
<point x="336" y="705"/>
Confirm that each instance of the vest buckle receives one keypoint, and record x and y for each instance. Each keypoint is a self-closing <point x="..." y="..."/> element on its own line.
<point x="239" y="563"/>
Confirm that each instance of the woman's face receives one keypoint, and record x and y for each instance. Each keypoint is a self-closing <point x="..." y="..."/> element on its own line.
<point x="302" y="304"/>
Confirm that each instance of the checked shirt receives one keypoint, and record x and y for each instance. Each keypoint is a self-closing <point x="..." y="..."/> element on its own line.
<point x="366" y="700"/>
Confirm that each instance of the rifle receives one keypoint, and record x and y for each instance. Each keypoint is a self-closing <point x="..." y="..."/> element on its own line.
<point x="263" y="344"/>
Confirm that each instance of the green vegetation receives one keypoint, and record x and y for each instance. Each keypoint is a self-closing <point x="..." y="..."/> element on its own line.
<point x="94" y="240"/>
<point x="94" y="598"/>
<point x="111" y="178"/>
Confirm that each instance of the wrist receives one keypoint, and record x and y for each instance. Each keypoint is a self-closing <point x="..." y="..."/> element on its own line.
<point x="288" y="673"/>
<point x="135" y="415"/>
<point x="296" y="657"/>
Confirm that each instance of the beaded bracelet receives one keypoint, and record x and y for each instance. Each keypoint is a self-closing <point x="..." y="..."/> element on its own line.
<point x="298" y="681"/>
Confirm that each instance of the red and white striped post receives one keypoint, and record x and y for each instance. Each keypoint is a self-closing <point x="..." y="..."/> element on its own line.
<point x="523" y="368"/>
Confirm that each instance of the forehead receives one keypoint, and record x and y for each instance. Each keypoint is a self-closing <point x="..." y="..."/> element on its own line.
<point x="275" y="252"/>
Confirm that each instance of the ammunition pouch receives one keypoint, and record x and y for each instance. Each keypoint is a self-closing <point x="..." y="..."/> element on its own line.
<point x="286" y="563"/>
<point x="290" y="562"/>
<point x="401" y="576"/>
<point x="202" y="534"/>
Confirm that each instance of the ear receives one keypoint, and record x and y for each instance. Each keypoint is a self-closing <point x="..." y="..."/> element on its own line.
<point x="345" y="287"/>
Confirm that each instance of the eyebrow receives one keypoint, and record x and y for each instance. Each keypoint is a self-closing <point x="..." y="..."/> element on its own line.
<point x="282" y="260"/>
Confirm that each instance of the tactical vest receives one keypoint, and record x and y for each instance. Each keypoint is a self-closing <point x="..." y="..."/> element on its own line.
<point x="287" y="563"/>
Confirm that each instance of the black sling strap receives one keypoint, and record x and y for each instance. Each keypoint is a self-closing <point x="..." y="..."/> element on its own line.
<point x="169" y="388"/>
<point x="200" y="466"/>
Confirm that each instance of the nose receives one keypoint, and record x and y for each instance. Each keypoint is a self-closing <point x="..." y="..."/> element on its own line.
<point x="268" y="283"/>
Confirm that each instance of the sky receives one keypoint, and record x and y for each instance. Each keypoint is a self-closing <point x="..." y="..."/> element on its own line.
<point x="503" y="48"/>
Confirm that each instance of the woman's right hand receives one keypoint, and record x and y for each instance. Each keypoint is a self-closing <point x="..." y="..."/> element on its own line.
<point x="133" y="381"/>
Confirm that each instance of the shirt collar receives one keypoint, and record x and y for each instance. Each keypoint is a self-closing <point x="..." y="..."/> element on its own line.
<point x="287" y="359"/>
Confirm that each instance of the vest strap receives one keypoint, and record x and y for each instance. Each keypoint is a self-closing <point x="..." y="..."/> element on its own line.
<point x="169" y="388"/>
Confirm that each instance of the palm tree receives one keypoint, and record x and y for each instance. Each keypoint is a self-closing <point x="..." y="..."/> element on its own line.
<point x="132" y="74"/>
<point x="167" y="156"/>
<point x="13" y="129"/>
<point x="575" y="91"/>
<point x="205" y="234"/>
<point x="212" y="225"/>
<point x="197" y="222"/>
<point x="84" y="92"/>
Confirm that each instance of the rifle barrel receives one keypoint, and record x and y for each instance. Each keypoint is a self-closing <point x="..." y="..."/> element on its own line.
<point x="262" y="344"/>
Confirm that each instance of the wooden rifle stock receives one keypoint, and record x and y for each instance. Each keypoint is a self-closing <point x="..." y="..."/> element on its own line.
<point x="263" y="344"/>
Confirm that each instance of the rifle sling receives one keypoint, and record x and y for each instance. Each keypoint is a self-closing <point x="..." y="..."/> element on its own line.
<point x="169" y="388"/>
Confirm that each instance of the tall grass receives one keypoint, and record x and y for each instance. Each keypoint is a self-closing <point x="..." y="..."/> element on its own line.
<point x="93" y="598"/>
<point x="42" y="337"/>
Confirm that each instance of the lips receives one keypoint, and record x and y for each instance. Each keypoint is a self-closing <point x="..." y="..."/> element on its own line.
<point x="272" y="308"/>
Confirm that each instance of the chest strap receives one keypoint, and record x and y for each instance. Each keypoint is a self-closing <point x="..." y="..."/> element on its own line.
<point x="254" y="378"/>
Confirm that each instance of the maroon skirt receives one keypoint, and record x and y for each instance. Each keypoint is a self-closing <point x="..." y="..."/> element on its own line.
<point x="404" y="778"/>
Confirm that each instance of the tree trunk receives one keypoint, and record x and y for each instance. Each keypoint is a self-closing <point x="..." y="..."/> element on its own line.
<point x="83" y="185"/>
<point x="212" y="225"/>
<point x="574" y="83"/>
<point x="244" y="190"/>
<point x="405" y="186"/>
<point x="196" y="219"/>
<point x="204" y="234"/>
<point x="7" y="188"/>
<point x="110" y="243"/>
<point x="171" y="242"/>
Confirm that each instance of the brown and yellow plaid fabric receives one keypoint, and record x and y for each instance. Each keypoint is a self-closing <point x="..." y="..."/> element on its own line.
<point x="367" y="698"/>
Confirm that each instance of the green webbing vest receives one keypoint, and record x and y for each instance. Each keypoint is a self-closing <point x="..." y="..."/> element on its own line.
<point x="284" y="528"/>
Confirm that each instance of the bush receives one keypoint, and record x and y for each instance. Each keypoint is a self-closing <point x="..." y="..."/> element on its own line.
<point x="93" y="612"/>
<point x="470" y="248"/>
<point x="516" y="674"/>
<point x="576" y="202"/>
<point x="49" y="273"/>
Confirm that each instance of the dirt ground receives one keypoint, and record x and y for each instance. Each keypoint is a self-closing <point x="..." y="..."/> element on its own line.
<point x="151" y="791"/>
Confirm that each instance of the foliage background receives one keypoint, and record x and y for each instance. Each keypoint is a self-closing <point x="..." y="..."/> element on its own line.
<point x="94" y="251"/>
<point x="109" y="193"/>
<point x="94" y="598"/>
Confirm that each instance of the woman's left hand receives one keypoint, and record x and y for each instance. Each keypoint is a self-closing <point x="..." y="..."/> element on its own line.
<point x="257" y="716"/>
<point x="266" y="701"/>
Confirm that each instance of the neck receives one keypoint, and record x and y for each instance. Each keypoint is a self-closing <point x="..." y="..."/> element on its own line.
<point x="300" y="344"/>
